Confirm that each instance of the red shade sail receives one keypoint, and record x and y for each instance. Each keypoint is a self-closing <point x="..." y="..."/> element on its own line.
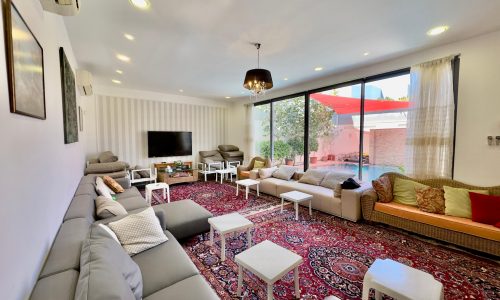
<point x="348" y="106"/>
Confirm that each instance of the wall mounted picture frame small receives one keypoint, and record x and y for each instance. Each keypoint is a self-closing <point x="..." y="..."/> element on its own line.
<point x="25" y="70"/>
<point x="68" y="89"/>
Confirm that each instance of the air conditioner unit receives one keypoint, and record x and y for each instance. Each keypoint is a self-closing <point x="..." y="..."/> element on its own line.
<point x="84" y="82"/>
<point x="62" y="7"/>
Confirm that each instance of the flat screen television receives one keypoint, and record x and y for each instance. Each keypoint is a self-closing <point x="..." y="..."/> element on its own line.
<point x="169" y="143"/>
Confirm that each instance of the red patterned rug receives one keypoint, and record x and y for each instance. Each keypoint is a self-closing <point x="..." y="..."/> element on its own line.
<point x="336" y="252"/>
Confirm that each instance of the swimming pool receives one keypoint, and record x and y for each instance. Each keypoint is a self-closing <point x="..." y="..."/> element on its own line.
<point x="369" y="172"/>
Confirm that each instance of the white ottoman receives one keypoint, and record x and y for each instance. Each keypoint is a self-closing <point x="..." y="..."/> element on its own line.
<point x="157" y="186"/>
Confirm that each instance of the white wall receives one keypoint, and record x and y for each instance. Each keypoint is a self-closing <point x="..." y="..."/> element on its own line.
<point x="39" y="172"/>
<point x="120" y="119"/>
<point x="478" y="102"/>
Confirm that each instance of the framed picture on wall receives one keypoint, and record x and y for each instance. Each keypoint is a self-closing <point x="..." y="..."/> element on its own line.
<point x="68" y="99"/>
<point x="24" y="65"/>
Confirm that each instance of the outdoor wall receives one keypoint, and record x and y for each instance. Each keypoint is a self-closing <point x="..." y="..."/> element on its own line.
<point x="478" y="102"/>
<point x="343" y="140"/>
<point x="39" y="172"/>
<point x="387" y="146"/>
<point x="121" y="118"/>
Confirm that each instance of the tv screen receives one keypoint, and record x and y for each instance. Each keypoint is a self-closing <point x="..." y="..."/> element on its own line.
<point x="169" y="143"/>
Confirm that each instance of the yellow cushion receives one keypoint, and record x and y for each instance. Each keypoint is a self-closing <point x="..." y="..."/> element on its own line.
<point x="258" y="164"/>
<point x="458" y="224"/>
<point x="404" y="191"/>
<point x="457" y="201"/>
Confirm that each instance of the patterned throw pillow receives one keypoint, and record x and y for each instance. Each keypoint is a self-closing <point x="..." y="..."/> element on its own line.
<point x="139" y="232"/>
<point x="430" y="200"/>
<point x="267" y="172"/>
<point x="383" y="187"/>
<point x="115" y="186"/>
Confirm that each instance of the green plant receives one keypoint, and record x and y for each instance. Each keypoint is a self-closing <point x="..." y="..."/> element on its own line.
<point x="281" y="149"/>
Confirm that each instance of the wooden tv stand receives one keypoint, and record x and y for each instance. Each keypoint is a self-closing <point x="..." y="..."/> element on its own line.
<point x="177" y="176"/>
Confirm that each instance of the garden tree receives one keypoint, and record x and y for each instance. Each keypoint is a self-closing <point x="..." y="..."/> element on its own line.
<point x="289" y="127"/>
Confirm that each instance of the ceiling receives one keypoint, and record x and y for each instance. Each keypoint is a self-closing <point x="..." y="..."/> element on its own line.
<point x="204" y="47"/>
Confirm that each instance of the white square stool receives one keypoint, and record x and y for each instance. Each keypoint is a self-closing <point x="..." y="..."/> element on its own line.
<point x="157" y="186"/>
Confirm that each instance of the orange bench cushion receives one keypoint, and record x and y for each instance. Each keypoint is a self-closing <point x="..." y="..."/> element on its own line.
<point x="448" y="222"/>
<point x="244" y="174"/>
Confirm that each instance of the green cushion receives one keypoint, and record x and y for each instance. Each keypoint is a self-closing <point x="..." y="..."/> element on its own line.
<point x="258" y="164"/>
<point x="457" y="201"/>
<point x="404" y="191"/>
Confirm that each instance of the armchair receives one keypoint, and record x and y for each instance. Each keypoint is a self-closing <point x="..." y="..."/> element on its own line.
<point x="106" y="163"/>
<point x="231" y="153"/>
<point x="210" y="162"/>
<point x="244" y="171"/>
<point x="138" y="175"/>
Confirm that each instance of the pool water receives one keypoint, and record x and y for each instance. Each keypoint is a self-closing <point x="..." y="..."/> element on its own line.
<point x="369" y="172"/>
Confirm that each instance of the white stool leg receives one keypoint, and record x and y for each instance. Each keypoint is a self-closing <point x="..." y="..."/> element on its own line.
<point x="296" y="211"/>
<point x="296" y="279"/>
<point x="310" y="209"/>
<point x="378" y="295"/>
<point x="168" y="193"/>
<point x="237" y="189"/>
<point x="258" y="193"/>
<point x="366" y="289"/>
<point x="211" y="235"/>
<point x="164" y="193"/>
<point x="249" y="237"/>
<point x="223" y="247"/>
<point x="246" y="192"/>
<point x="240" y="281"/>
<point x="282" y="201"/>
<point x="269" y="291"/>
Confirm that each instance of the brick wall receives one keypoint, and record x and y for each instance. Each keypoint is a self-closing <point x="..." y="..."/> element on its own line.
<point x="387" y="146"/>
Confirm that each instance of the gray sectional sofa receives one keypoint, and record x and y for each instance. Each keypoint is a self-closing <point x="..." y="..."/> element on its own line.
<point x="167" y="271"/>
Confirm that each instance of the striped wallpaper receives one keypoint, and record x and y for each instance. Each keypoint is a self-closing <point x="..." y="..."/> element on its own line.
<point x="122" y="125"/>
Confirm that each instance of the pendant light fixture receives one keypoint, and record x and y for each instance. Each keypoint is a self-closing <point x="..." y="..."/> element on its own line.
<point x="258" y="80"/>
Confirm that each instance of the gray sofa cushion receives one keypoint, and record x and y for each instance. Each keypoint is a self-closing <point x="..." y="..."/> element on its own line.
<point x="164" y="265"/>
<point x="132" y="203"/>
<point x="107" y="157"/>
<point x="130" y="192"/>
<point x="59" y="286"/>
<point x="109" y="167"/>
<point x="65" y="252"/>
<point x="107" y="272"/>
<point x="227" y="148"/>
<point x="194" y="287"/>
<point x="82" y="206"/>
<point x="86" y="189"/>
<point x="208" y="153"/>
<point x="185" y="218"/>
<point x="232" y="154"/>
<point x="285" y="172"/>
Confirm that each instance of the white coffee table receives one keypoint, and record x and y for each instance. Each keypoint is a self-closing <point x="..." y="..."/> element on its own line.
<point x="226" y="224"/>
<point x="296" y="197"/>
<point x="400" y="282"/>
<point x="270" y="263"/>
<point x="225" y="173"/>
<point x="247" y="183"/>
<point x="157" y="186"/>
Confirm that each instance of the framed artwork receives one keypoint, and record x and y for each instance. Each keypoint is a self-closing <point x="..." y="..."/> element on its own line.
<point x="68" y="99"/>
<point x="24" y="65"/>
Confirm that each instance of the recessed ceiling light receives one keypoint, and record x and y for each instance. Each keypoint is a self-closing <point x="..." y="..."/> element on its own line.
<point x="437" y="30"/>
<point x="318" y="69"/>
<point x="140" y="4"/>
<point x="123" y="57"/>
<point x="227" y="97"/>
<point x="116" y="81"/>
<point x="129" y="36"/>
<point x="286" y="78"/>
<point x="366" y="53"/>
<point x="181" y="90"/>
<point x="119" y="72"/>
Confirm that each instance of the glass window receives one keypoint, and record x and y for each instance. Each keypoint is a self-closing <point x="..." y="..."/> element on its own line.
<point x="288" y="131"/>
<point x="261" y="116"/>
<point x="334" y="129"/>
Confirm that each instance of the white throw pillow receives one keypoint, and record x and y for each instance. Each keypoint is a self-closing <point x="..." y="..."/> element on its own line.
<point x="313" y="176"/>
<point x="110" y="232"/>
<point x="107" y="208"/>
<point x="139" y="232"/>
<point x="102" y="189"/>
<point x="285" y="172"/>
<point x="333" y="178"/>
<point x="267" y="172"/>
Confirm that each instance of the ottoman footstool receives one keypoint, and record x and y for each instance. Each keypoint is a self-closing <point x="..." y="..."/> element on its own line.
<point x="185" y="218"/>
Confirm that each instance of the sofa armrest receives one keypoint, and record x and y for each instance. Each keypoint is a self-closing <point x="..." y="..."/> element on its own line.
<point x="351" y="202"/>
<point x="254" y="174"/>
<point x="368" y="200"/>
<point x="160" y="214"/>
<point x="124" y="182"/>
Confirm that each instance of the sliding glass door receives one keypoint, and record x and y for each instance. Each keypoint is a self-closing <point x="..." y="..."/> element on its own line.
<point x="262" y="129"/>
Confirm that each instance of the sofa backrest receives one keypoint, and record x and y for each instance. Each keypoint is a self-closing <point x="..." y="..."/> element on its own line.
<point x="440" y="182"/>
<point x="228" y="148"/>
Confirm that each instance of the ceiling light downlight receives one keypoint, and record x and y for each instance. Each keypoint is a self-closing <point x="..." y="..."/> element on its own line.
<point x="437" y="30"/>
<point x="141" y="4"/>
<point x="317" y="69"/>
<point x="129" y="36"/>
<point x="119" y="72"/>
<point x="123" y="57"/>
<point x="116" y="81"/>
<point x="258" y="81"/>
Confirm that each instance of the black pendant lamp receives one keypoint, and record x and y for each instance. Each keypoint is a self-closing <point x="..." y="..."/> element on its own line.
<point x="258" y="80"/>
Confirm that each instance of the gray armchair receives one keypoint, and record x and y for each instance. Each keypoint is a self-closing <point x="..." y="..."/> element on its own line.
<point x="231" y="153"/>
<point x="107" y="163"/>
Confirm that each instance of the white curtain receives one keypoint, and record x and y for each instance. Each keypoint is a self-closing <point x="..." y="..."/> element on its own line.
<point x="249" y="132"/>
<point x="429" y="142"/>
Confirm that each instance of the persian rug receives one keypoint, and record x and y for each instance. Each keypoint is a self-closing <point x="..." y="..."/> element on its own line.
<point x="336" y="252"/>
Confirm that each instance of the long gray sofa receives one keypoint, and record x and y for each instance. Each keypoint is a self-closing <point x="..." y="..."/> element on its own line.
<point x="167" y="271"/>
